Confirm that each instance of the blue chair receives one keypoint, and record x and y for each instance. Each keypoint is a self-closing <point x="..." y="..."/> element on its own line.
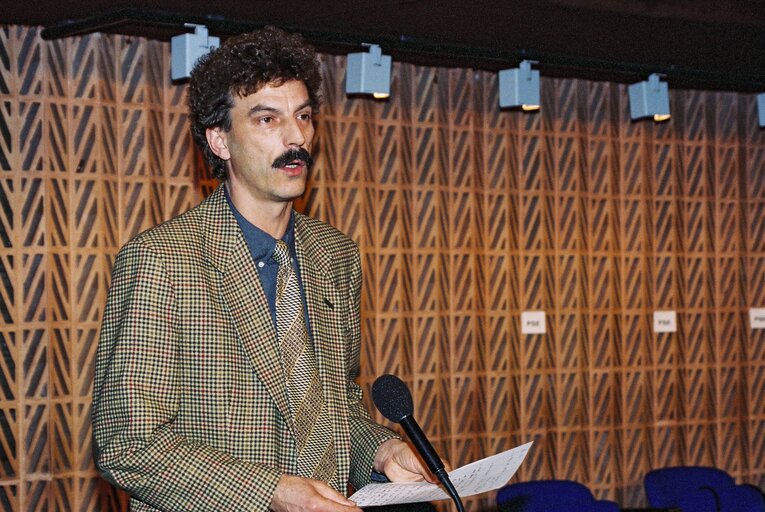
<point x="701" y="489"/>
<point x="550" y="496"/>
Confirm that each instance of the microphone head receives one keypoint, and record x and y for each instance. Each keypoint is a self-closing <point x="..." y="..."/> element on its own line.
<point x="392" y="398"/>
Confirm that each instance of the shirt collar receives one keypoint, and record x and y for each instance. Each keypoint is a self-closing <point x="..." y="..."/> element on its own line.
<point x="260" y="243"/>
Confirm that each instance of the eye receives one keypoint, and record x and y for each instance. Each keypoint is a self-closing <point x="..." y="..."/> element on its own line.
<point x="265" y="119"/>
<point x="305" y="116"/>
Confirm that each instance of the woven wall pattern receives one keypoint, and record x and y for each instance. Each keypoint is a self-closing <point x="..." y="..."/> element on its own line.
<point x="465" y="215"/>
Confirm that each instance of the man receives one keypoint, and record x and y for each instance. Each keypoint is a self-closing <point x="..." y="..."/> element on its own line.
<point x="213" y="389"/>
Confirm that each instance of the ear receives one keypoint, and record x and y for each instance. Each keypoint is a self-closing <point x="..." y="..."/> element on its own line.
<point x="216" y="138"/>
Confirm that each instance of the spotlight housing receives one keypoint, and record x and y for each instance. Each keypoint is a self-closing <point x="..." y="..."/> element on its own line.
<point x="761" y="109"/>
<point x="368" y="73"/>
<point x="186" y="49"/>
<point x="519" y="87"/>
<point x="649" y="98"/>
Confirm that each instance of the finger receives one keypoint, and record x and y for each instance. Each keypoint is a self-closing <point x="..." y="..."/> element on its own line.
<point x="398" y="473"/>
<point x="332" y="495"/>
<point x="344" y="505"/>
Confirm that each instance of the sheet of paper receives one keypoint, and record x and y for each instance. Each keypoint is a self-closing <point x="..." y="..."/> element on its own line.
<point x="480" y="476"/>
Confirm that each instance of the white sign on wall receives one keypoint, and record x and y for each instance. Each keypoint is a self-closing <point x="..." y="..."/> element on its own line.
<point x="665" y="321"/>
<point x="757" y="318"/>
<point x="533" y="322"/>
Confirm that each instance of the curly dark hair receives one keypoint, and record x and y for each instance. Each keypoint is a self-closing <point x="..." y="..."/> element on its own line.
<point x="241" y="66"/>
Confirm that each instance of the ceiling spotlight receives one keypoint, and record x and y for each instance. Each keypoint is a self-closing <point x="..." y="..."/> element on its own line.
<point x="519" y="87"/>
<point x="185" y="49"/>
<point x="368" y="73"/>
<point x="649" y="98"/>
<point x="761" y="108"/>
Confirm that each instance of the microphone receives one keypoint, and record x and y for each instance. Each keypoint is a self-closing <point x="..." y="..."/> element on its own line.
<point x="394" y="401"/>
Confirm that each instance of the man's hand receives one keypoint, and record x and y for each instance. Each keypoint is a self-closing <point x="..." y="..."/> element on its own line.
<point x="294" y="494"/>
<point x="399" y="463"/>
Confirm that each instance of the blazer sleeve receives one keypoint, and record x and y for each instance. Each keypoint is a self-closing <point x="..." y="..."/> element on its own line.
<point x="136" y="396"/>
<point x="366" y="434"/>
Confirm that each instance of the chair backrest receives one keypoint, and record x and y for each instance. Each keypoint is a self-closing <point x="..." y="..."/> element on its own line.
<point x="666" y="486"/>
<point x="700" y="489"/>
<point x="549" y="496"/>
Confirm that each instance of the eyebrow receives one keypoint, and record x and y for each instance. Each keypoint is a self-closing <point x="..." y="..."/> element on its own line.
<point x="265" y="108"/>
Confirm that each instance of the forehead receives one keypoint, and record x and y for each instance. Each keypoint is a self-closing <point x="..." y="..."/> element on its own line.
<point x="291" y="94"/>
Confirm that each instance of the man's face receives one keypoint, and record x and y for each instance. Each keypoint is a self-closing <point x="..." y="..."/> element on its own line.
<point x="269" y="130"/>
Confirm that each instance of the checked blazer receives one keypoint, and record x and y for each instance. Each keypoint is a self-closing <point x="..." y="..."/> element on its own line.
<point x="190" y="408"/>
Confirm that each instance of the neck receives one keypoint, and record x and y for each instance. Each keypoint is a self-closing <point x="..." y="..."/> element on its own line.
<point x="271" y="217"/>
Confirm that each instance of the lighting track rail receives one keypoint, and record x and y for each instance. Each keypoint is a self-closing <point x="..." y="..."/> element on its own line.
<point x="162" y="25"/>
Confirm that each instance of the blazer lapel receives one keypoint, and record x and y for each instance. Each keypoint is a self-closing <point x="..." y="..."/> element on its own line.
<point x="240" y="288"/>
<point x="324" y="304"/>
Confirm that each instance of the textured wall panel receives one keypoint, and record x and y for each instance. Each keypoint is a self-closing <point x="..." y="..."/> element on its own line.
<point x="466" y="216"/>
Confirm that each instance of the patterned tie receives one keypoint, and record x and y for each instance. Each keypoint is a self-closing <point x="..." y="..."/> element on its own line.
<point x="313" y="430"/>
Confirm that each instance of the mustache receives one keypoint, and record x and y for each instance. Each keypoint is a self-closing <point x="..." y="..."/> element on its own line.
<point x="291" y="155"/>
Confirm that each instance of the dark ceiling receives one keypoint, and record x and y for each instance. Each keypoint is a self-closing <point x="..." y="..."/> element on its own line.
<point x="703" y="44"/>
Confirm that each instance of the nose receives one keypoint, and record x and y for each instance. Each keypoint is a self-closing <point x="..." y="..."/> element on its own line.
<point x="296" y="134"/>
